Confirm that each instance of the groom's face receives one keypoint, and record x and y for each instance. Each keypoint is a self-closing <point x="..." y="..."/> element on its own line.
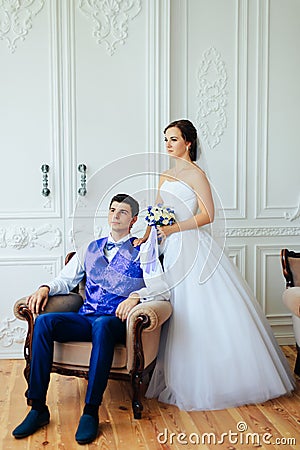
<point x="120" y="217"/>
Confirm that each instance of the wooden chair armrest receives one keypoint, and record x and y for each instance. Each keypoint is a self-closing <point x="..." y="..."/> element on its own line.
<point x="157" y="312"/>
<point x="56" y="303"/>
<point x="19" y="307"/>
<point x="143" y="334"/>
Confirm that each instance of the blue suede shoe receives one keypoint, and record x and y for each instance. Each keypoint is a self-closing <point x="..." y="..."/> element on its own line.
<point x="87" y="429"/>
<point x="32" y="422"/>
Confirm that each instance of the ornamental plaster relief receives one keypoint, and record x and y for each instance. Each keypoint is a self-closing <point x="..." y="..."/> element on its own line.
<point x="262" y="231"/>
<point x="10" y="334"/>
<point x="295" y="215"/>
<point x="19" y="237"/>
<point x="110" y="19"/>
<point x="16" y="19"/>
<point x="212" y="95"/>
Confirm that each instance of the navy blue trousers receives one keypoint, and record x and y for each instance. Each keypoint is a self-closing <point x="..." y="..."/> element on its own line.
<point x="103" y="331"/>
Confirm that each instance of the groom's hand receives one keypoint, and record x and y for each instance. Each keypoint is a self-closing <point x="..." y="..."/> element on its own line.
<point x="37" y="301"/>
<point x="126" y="306"/>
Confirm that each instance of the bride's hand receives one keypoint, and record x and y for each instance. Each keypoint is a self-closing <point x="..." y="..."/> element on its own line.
<point x="162" y="233"/>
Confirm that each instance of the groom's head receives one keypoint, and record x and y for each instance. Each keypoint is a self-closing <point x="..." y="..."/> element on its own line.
<point x="123" y="213"/>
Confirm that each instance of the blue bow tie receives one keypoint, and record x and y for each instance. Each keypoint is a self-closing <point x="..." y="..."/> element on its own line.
<point x="111" y="245"/>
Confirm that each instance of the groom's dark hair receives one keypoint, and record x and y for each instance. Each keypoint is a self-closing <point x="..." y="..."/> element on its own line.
<point x="125" y="198"/>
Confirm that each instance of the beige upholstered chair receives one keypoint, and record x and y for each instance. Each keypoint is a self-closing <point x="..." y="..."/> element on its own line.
<point x="291" y="297"/>
<point x="134" y="362"/>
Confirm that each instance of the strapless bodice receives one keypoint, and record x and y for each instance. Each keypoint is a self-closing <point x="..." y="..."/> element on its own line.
<point x="181" y="197"/>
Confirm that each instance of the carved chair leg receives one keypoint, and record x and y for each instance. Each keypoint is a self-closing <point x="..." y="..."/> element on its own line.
<point x="26" y="373"/>
<point x="27" y="314"/>
<point x="297" y="364"/>
<point x="137" y="387"/>
<point x="27" y="355"/>
<point x="139" y="374"/>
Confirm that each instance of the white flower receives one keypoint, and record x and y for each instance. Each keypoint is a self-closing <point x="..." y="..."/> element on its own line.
<point x="159" y="215"/>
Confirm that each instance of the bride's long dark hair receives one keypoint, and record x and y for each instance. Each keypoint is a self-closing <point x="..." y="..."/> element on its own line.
<point x="189" y="134"/>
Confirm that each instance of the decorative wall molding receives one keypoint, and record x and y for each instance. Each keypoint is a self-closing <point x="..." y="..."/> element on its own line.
<point x="241" y="108"/>
<point x="262" y="231"/>
<point x="212" y="94"/>
<point x="10" y="334"/>
<point x="237" y="253"/>
<point x="49" y="269"/>
<point x="269" y="286"/>
<point x="263" y="58"/>
<point x="219" y="99"/>
<point x="295" y="215"/>
<point x="111" y="19"/>
<point x="42" y="207"/>
<point x="19" y="237"/>
<point x="264" y="209"/>
<point x="264" y="253"/>
<point x="48" y="204"/>
<point x="158" y="79"/>
<point x="81" y="203"/>
<point x="16" y="19"/>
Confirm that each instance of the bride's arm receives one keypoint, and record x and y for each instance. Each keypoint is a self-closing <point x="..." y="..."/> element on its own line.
<point x="201" y="187"/>
<point x="157" y="201"/>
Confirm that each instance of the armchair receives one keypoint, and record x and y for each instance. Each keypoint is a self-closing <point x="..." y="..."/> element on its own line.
<point x="133" y="361"/>
<point x="290" y="262"/>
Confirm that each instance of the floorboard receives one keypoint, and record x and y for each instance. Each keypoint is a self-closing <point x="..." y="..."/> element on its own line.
<point x="162" y="427"/>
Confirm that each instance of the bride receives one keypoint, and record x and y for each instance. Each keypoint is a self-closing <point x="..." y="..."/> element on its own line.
<point x="219" y="350"/>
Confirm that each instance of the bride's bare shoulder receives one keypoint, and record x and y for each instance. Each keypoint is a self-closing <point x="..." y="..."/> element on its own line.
<point x="166" y="175"/>
<point x="197" y="175"/>
<point x="196" y="171"/>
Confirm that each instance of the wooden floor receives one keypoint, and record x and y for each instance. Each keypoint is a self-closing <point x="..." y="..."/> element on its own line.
<point x="274" y="420"/>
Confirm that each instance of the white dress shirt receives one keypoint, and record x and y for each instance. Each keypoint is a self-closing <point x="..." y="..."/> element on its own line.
<point x="156" y="287"/>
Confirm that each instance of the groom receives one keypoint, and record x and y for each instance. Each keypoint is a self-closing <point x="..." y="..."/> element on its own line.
<point x="115" y="282"/>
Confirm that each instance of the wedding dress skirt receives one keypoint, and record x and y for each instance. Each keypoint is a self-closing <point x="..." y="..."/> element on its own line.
<point x="217" y="350"/>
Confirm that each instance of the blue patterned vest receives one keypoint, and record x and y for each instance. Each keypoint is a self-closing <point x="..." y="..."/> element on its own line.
<point x="109" y="283"/>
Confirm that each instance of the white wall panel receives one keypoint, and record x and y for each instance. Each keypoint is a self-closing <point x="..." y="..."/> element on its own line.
<point x="270" y="285"/>
<point x="217" y="93"/>
<point x="113" y="105"/>
<point x="278" y="99"/>
<point x="237" y="253"/>
<point x="29" y="115"/>
<point x="229" y="76"/>
<point x="107" y="100"/>
<point x="22" y="276"/>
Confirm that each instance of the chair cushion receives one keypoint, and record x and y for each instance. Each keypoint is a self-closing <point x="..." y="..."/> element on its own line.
<point x="63" y="303"/>
<point x="296" y="327"/>
<point x="295" y="269"/>
<point x="78" y="354"/>
<point x="291" y="298"/>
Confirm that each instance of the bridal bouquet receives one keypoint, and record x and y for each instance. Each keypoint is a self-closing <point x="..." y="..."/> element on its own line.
<point x="159" y="215"/>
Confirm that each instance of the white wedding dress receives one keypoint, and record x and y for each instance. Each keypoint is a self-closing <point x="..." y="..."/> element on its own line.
<point x="218" y="350"/>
